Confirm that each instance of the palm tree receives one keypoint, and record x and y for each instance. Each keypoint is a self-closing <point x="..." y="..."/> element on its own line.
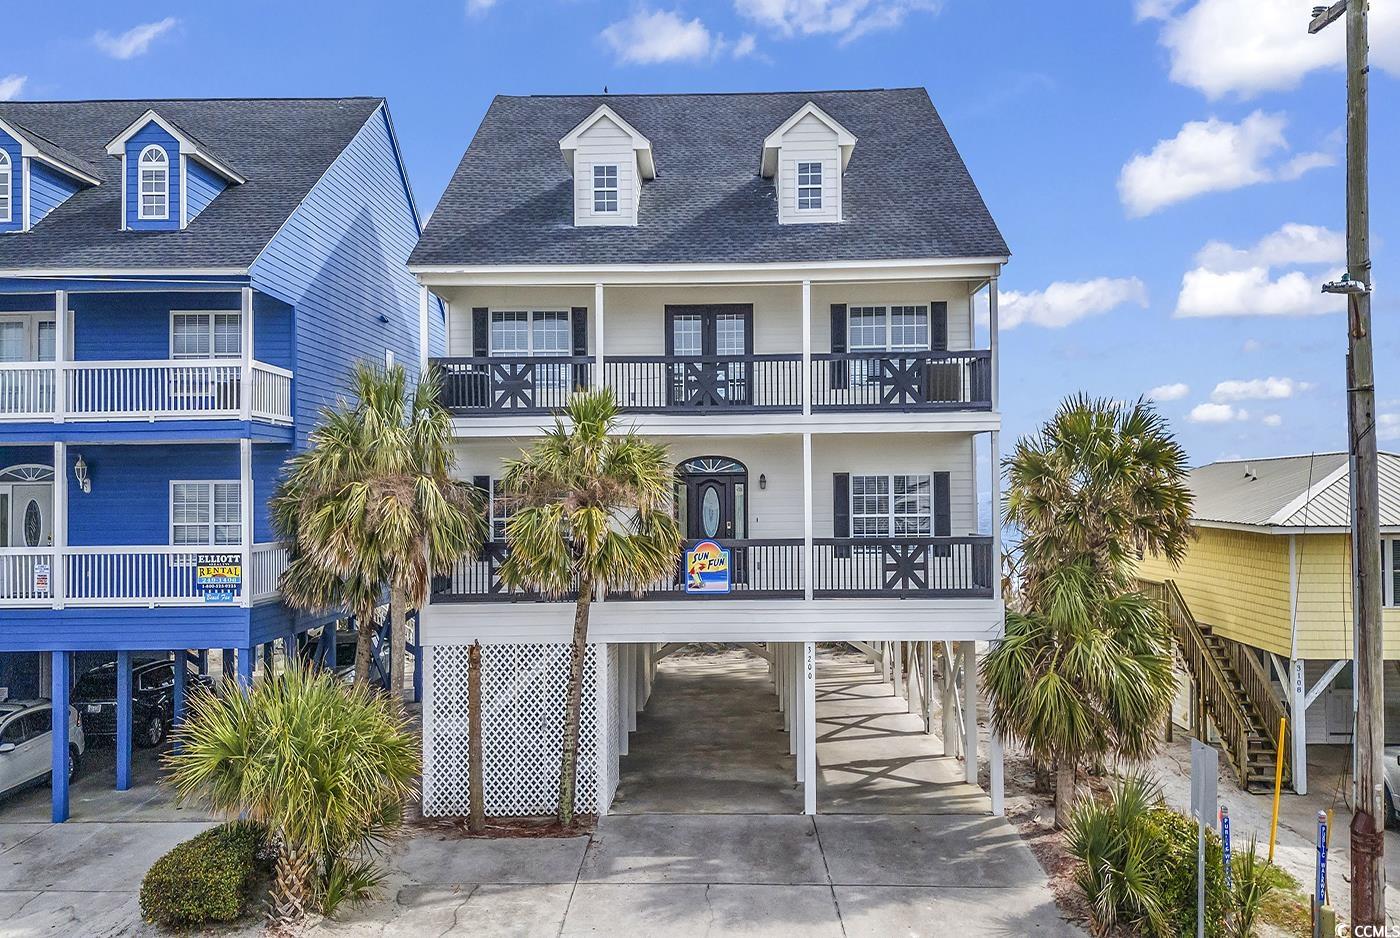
<point x="1085" y="669"/>
<point x="371" y="505"/>
<point x="590" y="512"/>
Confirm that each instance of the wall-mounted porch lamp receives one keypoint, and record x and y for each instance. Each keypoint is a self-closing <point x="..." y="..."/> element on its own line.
<point x="80" y="472"/>
<point x="762" y="481"/>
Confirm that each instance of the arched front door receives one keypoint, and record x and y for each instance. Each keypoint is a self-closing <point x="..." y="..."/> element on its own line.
<point x="713" y="501"/>
<point x="26" y="506"/>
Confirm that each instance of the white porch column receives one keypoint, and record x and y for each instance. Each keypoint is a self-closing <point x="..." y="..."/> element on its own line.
<point x="969" y="696"/>
<point x="245" y="397"/>
<point x="1298" y="716"/>
<point x="806" y="347"/>
<point x="601" y="702"/>
<point x="952" y="735"/>
<point x="61" y="328"/>
<point x="998" y="775"/>
<point x="57" y="569"/>
<point x="809" y="727"/>
<point x="245" y="511"/>
<point x="927" y="668"/>
<point x="993" y="344"/>
<point x="624" y="697"/>
<point x="424" y="318"/>
<point x="799" y="714"/>
<point x="897" y="667"/>
<point x="599" y="328"/>
<point x="807" y="551"/>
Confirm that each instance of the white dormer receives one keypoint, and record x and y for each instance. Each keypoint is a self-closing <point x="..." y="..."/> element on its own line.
<point x="609" y="161"/>
<point x="806" y="158"/>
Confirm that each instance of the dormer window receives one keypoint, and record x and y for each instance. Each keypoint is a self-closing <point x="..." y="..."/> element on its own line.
<point x="605" y="188"/>
<point x="809" y="187"/>
<point x="155" y="184"/>
<point x="6" y="187"/>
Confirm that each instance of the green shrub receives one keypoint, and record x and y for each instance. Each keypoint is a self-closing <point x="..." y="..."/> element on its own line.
<point x="208" y="878"/>
<point x="1251" y="887"/>
<point x="1176" y="833"/>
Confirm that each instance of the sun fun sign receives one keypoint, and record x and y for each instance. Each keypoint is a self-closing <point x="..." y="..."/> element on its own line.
<point x="707" y="568"/>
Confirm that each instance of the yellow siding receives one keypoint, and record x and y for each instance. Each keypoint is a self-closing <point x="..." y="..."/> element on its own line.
<point x="1237" y="583"/>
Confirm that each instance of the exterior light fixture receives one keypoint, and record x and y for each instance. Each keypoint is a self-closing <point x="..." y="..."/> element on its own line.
<point x="1346" y="286"/>
<point x="80" y="472"/>
<point x="762" y="481"/>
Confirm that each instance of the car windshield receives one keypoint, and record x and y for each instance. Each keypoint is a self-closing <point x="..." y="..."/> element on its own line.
<point x="97" y="685"/>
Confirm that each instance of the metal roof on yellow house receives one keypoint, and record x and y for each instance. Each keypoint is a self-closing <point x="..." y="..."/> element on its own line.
<point x="1288" y="494"/>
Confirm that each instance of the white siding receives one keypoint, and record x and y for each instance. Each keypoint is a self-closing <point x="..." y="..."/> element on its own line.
<point x="604" y="144"/>
<point x="807" y="141"/>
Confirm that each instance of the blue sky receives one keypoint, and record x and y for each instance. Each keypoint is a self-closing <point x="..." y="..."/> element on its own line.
<point x="1168" y="174"/>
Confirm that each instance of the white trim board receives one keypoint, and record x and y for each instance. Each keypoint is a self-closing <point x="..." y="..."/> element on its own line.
<point x="720" y="620"/>
<point x="747" y="424"/>
<point x="957" y="268"/>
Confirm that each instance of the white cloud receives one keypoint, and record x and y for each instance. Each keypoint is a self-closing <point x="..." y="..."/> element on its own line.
<point x="1231" y="281"/>
<point x="1211" y="156"/>
<point x="1258" y="389"/>
<point x="11" y="86"/>
<point x="1216" y="413"/>
<point x="848" y="19"/>
<point x="1244" y="47"/>
<point x="1273" y="420"/>
<point x="479" y="7"/>
<point x="1291" y="244"/>
<point x="649" y="37"/>
<point x="135" y="41"/>
<point x="1388" y="426"/>
<point x="1251" y="345"/>
<point x="1169" y="392"/>
<point x="1065" y="302"/>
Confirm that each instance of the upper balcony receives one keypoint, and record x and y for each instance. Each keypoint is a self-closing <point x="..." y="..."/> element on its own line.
<point x="123" y="356"/>
<point x="828" y="356"/>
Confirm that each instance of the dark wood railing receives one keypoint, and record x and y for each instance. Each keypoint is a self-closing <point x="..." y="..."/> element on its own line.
<point x="907" y="568"/>
<point x="772" y="568"/>
<point x="705" y="384"/>
<point x="902" y="381"/>
<point x="511" y="385"/>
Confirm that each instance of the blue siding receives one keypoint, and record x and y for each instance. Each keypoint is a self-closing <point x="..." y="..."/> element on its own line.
<point x="267" y="472"/>
<point x="342" y="260"/>
<point x="12" y="149"/>
<point x="130" y="499"/>
<point x="272" y="331"/>
<point x="25" y="455"/>
<point x="151" y="134"/>
<point x="133" y="326"/>
<point x="48" y="189"/>
<point x="204" y="185"/>
<point x="129" y="628"/>
<point x="437" y="327"/>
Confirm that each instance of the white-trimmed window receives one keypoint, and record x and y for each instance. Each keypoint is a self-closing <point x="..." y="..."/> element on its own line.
<point x="1390" y="558"/>
<point x="500" y="512"/>
<point x="6" y="187"/>
<point x="531" y="332"/>
<point x="891" y="505"/>
<point x="605" y="189"/>
<point x="154" y="172"/>
<point x="888" y="328"/>
<point x="205" y="514"/>
<point x="206" y="335"/>
<point x="809" y="187"/>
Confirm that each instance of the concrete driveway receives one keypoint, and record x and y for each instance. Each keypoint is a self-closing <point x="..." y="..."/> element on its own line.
<point x="716" y="874"/>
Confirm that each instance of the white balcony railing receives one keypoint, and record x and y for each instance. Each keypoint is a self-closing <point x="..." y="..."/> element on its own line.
<point x="126" y="576"/>
<point x="143" y="390"/>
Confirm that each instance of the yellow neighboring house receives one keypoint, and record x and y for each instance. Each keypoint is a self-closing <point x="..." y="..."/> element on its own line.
<point x="1269" y="581"/>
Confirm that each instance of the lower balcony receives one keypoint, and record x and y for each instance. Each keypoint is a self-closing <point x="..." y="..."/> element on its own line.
<point x="871" y="568"/>
<point x="141" y="576"/>
<point x="144" y="390"/>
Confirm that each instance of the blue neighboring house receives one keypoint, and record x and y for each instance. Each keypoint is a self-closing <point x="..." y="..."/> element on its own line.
<point x="183" y="285"/>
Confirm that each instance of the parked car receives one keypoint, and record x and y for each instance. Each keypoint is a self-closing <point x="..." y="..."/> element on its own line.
<point x="153" y="700"/>
<point x="26" y="742"/>
<point x="1392" y="784"/>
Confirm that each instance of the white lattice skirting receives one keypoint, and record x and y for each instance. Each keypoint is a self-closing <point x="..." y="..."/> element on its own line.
<point x="522" y="692"/>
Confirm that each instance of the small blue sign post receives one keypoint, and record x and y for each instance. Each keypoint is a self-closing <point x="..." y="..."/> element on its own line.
<point x="1225" y="843"/>
<point x="1321" y="858"/>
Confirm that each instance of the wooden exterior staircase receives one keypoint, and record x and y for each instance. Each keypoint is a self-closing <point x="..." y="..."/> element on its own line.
<point x="1233" y="690"/>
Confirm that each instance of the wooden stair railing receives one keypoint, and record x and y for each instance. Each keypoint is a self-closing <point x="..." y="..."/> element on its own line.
<point x="1231" y="687"/>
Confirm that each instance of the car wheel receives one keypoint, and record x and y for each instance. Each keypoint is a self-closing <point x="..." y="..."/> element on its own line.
<point x="152" y="731"/>
<point x="72" y="762"/>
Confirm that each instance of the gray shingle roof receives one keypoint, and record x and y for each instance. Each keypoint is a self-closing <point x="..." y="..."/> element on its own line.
<point x="281" y="146"/>
<point x="1289" y="492"/>
<point x="906" y="192"/>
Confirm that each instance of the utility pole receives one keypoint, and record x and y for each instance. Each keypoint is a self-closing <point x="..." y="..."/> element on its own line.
<point x="1367" y="823"/>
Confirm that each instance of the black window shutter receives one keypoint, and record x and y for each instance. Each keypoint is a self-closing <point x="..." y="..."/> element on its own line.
<point x="841" y="510"/>
<point x="942" y="512"/>
<point x="838" y="345"/>
<point x="483" y="486"/>
<point x="481" y="332"/>
<point x="578" y="317"/>
<point x="938" y="326"/>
